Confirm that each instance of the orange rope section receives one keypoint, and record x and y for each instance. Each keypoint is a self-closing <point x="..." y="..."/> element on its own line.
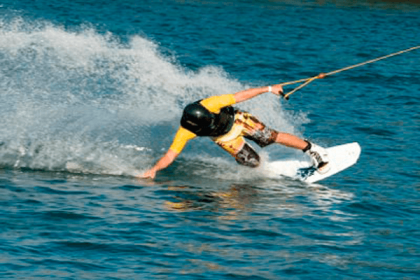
<point x="323" y="75"/>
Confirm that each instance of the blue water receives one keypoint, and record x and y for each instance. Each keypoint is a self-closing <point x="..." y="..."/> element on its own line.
<point x="91" y="93"/>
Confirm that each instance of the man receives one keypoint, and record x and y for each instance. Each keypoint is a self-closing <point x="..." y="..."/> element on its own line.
<point x="216" y="118"/>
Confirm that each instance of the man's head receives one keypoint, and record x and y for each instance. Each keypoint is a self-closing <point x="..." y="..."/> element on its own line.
<point x="196" y="118"/>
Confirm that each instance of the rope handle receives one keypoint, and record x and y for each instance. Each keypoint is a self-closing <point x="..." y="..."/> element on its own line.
<point x="307" y="82"/>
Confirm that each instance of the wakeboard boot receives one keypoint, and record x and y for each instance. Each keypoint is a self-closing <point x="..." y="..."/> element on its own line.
<point x="319" y="157"/>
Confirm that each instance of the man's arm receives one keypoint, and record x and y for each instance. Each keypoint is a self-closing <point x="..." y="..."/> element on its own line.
<point x="164" y="162"/>
<point x="181" y="138"/>
<point x="215" y="103"/>
<point x="250" y="93"/>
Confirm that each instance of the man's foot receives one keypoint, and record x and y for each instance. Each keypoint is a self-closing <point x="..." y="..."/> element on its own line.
<point x="319" y="157"/>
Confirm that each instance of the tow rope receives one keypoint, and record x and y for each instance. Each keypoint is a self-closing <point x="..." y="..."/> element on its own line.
<point x="307" y="81"/>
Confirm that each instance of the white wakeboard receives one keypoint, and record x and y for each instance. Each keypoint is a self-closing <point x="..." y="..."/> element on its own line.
<point x="341" y="157"/>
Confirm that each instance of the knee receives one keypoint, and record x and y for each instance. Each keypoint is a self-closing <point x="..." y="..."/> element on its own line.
<point x="247" y="156"/>
<point x="266" y="136"/>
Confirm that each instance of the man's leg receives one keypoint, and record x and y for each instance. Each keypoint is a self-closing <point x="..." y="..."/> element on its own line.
<point x="243" y="153"/>
<point x="265" y="136"/>
<point x="291" y="141"/>
<point x="248" y="156"/>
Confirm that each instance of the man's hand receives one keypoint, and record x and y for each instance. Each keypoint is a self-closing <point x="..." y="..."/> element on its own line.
<point x="277" y="89"/>
<point x="151" y="173"/>
<point x="164" y="162"/>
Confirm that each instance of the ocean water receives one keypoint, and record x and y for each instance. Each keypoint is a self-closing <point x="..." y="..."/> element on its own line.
<point x="91" y="93"/>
